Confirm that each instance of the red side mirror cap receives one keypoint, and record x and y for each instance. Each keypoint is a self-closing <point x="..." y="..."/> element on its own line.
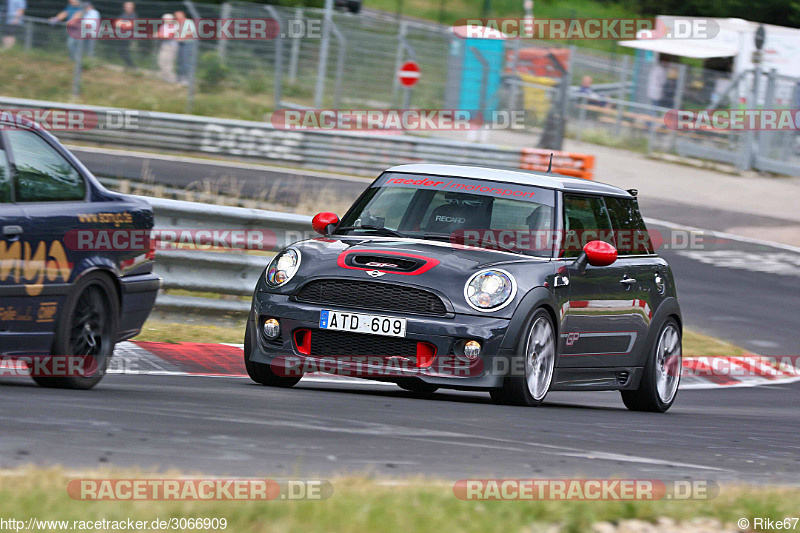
<point x="600" y="253"/>
<point x="321" y="221"/>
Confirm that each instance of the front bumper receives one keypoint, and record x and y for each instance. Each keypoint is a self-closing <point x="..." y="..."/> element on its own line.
<point x="441" y="332"/>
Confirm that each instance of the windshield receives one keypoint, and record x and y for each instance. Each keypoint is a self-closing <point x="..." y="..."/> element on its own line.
<point x="494" y="215"/>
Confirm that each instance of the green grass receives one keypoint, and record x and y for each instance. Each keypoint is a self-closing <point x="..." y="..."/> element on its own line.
<point x="694" y="344"/>
<point x="364" y="504"/>
<point x="38" y="75"/>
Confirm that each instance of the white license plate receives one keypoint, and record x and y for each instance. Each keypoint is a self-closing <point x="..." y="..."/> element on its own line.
<point x="360" y="323"/>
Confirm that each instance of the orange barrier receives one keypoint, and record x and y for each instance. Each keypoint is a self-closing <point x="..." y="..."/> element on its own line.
<point x="564" y="163"/>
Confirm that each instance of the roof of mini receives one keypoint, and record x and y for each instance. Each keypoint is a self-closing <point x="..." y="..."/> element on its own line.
<point x="547" y="180"/>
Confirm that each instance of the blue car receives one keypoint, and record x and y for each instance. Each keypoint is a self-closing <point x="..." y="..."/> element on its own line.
<point x="76" y="261"/>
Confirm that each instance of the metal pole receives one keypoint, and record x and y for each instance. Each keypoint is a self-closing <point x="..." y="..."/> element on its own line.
<point x="222" y="44"/>
<point x="193" y="56"/>
<point x="340" y="60"/>
<point x="76" y="73"/>
<point x="278" y="55"/>
<point x="398" y="60"/>
<point x="295" y="53"/>
<point x="322" y="67"/>
<point x="28" y="34"/>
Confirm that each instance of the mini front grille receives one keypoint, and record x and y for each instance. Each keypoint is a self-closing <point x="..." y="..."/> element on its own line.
<point x="340" y="343"/>
<point x="623" y="376"/>
<point x="372" y="295"/>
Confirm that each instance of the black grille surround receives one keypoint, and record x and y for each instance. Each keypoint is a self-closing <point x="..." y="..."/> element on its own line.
<point x="372" y="295"/>
<point x="341" y="343"/>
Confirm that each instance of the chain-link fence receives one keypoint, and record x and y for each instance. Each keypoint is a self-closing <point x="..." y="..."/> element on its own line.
<point x="604" y="97"/>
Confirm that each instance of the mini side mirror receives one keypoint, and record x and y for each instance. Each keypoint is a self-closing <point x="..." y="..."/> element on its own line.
<point x="322" y="222"/>
<point x="596" y="253"/>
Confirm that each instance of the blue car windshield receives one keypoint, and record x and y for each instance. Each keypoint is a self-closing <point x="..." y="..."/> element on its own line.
<point x="484" y="214"/>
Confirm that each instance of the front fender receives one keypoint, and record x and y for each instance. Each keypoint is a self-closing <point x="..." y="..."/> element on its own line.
<point x="536" y="298"/>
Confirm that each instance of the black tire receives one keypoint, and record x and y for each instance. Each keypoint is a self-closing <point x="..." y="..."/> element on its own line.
<point x="516" y="390"/>
<point x="647" y="397"/>
<point x="86" y="325"/>
<point x="259" y="372"/>
<point x="417" y="386"/>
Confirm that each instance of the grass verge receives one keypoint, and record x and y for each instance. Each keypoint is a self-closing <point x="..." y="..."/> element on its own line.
<point x="694" y="344"/>
<point x="364" y="504"/>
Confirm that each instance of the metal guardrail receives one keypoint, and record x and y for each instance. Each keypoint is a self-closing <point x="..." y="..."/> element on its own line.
<point x="348" y="152"/>
<point x="232" y="273"/>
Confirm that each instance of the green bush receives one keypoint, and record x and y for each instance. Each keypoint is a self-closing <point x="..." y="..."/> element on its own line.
<point x="211" y="72"/>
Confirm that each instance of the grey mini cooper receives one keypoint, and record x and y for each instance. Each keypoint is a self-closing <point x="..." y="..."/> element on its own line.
<point x="439" y="276"/>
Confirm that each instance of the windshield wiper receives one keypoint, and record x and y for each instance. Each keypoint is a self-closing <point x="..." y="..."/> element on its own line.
<point x="379" y="229"/>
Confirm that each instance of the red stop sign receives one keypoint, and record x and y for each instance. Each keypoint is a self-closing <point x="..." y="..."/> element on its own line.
<point x="408" y="73"/>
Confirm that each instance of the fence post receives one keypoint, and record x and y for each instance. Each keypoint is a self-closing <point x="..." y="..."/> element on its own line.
<point x="340" y="63"/>
<point x="28" y="34"/>
<point x="322" y="67"/>
<point x="193" y="57"/>
<point x="77" y="71"/>
<point x="222" y="44"/>
<point x="398" y="60"/>
<point x="295" y="53"/>
<point x="278" y="55"/>
<point x="623" y="74"/>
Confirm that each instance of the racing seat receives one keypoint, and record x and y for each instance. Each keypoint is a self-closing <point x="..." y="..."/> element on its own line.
<point x="448" y="218"/>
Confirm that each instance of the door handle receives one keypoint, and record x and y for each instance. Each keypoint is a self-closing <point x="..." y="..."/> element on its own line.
<point x="12" y="231"/>
<point x="628" y="281"/>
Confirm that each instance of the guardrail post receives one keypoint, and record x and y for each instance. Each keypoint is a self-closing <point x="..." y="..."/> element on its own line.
<point x="278" y="55"/>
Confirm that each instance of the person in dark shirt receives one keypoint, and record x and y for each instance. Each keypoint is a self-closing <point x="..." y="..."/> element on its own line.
<point x="125" y="20"/>
<point x="70" y="13"/>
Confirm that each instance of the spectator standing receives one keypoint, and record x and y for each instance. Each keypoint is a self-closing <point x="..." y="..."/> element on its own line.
<point x="90" y="23"/>
<point x="69" y="14"/>
<point x="168" y="51"/>
<point x="187" y="32"/>
<point x="655" y="83"/>
<point x="125" y="21"/>
<point x="15" y="11"/>
<point x="592" y="98"/>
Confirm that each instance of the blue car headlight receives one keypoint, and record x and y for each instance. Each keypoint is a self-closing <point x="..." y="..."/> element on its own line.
<point x="490" y="290"/>
<point x="282" y="267"/>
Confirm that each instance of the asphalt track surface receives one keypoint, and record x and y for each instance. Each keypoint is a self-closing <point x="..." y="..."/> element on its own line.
<point x="230" y="426"/>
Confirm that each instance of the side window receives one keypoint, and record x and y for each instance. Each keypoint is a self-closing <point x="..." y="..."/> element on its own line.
<point x="585" y="219"/>
<point x="42" y="174"/>
<point x="629" y="228"/>
<point x="5" y="179"/>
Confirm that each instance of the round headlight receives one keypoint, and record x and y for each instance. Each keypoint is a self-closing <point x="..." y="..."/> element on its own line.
<point x="282" y="267"/>
<point x="489" y="290"/>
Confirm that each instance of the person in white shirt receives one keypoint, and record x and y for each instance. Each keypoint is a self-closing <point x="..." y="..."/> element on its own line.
<point x="90" y="23"/>
<point x="168" y="50"/>
<point x="655" y="83"/>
